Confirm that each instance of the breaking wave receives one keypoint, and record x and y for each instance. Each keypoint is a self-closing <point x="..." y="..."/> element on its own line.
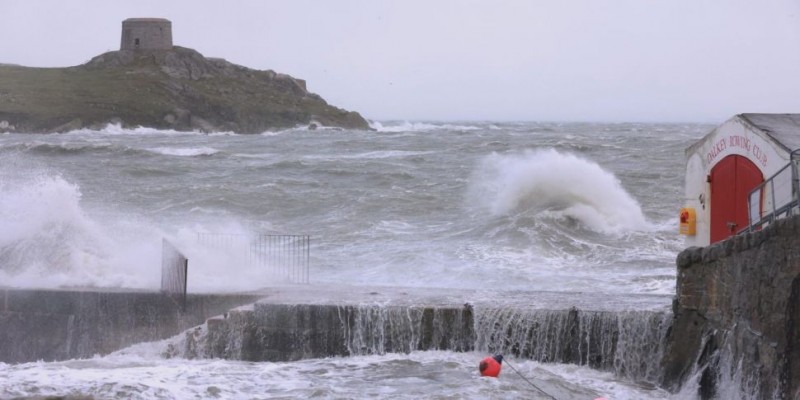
<point x="48" y="239"/>
<point x="558" y="184"/>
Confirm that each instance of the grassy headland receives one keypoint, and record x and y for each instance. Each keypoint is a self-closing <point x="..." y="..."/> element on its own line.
<point x="167" y="89"/>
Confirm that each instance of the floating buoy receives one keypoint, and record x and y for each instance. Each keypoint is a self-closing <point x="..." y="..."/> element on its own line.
<point x="490" y="366"/>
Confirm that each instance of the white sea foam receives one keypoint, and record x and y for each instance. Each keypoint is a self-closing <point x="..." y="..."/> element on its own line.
<point x="430" y="374"/>
<point x="374" y="155"/>
<point x="119" y="130"/>
<point x="406" y="126"/>
<point x="301" y="128"/>
<point x="184" y="152"/>
<point x="558" y="183"/>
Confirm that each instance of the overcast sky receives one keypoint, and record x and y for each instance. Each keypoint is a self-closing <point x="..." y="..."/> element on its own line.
<point x="558" y="60"/>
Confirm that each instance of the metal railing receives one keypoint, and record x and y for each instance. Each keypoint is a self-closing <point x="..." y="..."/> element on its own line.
<point x="285" y="256"/>
<point x="174" y="269"/>
<point x="776" y="197"/>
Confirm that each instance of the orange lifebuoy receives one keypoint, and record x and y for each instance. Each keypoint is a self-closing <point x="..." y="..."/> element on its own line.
<point x="490" y="366"/>
<point x="688" y="221"/>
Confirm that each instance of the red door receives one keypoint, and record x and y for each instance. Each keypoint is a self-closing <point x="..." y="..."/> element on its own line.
<point x="732" y="179"/>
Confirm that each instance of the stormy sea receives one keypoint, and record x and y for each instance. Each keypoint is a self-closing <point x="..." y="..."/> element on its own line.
<point x="492" y="207"/>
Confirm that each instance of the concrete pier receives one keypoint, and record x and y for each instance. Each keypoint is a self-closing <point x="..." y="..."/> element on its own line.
<point x="53" y="325"/>
<point x="620" y="333"/>
<point x="615" y="332"/>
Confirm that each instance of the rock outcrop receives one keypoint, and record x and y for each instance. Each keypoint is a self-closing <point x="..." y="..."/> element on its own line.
<point x="737" y="316"/>
<point x="166" y="89"/>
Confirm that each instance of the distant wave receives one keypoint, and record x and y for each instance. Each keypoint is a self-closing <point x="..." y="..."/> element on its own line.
<point x="104" y="147"/>
<point x="372" y="155"/>
<point x="62" y="148"/>
<point x="302" y="128"/>
<point x="548" y="182"/>
<point x="117" y="129"/>
<point x="184" y="152"/>
<point x="406" y="126"/>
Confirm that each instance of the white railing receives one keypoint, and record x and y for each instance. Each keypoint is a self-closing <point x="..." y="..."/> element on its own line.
<point x="776" y="197"/>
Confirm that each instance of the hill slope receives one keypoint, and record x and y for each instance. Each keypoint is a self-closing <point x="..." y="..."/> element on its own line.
<point x="167" y="89"/>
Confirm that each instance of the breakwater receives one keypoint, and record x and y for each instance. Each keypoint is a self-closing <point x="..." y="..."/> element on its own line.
<point x="53" y="325"/>
<point x="732" y="330"/>
<point x="625" y="335"/>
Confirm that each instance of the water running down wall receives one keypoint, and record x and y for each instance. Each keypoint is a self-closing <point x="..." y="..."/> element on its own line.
<point x="628" y="343"/>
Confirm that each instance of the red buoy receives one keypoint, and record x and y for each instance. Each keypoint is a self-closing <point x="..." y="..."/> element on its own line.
<point x="490" y="366"/>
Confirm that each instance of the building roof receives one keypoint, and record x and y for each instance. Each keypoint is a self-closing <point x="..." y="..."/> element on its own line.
<point x="146" y="20"/>
<point x="784" y="128"/>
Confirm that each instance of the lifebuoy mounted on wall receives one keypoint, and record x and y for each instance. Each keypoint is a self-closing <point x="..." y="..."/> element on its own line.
<point x="688" y="219"/>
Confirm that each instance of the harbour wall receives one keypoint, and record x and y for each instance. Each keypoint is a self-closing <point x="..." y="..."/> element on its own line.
<point x="626" y="342"/>
<point x="733" y="330"/>
<point x="53" y="325"/>
<point x="737" y="316"/>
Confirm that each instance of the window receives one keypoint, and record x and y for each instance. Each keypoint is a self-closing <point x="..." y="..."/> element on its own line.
<point x="136" y="42"/>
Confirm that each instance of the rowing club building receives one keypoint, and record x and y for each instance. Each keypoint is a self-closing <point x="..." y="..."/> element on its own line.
<point x="740" y="176"/>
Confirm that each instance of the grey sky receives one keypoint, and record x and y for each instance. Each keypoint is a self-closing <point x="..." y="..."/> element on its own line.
<point x="559" y="60"/>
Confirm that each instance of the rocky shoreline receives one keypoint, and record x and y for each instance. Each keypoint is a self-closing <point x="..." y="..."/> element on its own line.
<point x="177" y="89"/>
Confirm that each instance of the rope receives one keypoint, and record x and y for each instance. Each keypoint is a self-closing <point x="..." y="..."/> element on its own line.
<point x="527" y="380"/>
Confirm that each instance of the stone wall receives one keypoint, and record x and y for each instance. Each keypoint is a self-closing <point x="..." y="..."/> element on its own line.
<point x="629" y="343"/>
<point x="288" y="332"/>
<point x="58" y="324"/>
<point x="736" y="316"/>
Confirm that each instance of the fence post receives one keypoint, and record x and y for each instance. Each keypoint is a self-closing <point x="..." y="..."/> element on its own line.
<point x="174" y="273"/>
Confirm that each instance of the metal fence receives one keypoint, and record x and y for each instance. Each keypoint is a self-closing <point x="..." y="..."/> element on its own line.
<point x="776" y="197"/>
<point x="284" y="256"/>
<point x="174" y="269"/>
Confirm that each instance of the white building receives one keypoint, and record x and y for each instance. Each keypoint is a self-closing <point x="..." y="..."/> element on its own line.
<point x="724" y="167"/>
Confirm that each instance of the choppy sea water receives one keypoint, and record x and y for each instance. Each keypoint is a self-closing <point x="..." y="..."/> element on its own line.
<point x="522" y="206"/>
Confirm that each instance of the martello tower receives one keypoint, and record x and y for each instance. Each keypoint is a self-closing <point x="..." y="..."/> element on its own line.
<point x="146" y="34"/>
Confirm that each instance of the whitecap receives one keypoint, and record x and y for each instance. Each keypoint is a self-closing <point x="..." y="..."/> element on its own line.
<point x="406" y="126"/>
<point x="185" y="151"/>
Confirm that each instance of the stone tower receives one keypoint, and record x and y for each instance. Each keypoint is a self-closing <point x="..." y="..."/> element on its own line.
<point x="146" y="34"/>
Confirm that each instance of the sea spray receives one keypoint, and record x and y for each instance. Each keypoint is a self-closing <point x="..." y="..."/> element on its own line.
<point x="49" y="239"/>
<point x="560" y="184"/>
<point x="46" y="238"/>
